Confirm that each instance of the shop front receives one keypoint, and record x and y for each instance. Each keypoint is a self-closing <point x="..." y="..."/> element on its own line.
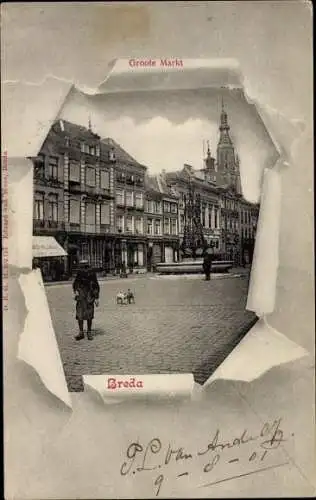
<point x="98" y="250"/>
<point x="171" y="251"/>
<point x="49" y="257"/>
<point x="130" y="254"/>
<point x="155" y="254"/>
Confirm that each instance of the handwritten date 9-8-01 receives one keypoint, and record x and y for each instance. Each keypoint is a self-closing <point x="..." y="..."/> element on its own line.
<point x="154" y="455"/>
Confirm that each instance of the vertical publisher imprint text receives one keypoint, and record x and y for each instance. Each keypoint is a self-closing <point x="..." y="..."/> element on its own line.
<point x="5" y="233"/>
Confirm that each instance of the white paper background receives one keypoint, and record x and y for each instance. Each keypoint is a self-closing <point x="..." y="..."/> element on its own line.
<point x="279" y="81"/>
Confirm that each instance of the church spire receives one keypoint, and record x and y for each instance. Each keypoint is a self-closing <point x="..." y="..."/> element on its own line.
<point x="224" y="127"/>
<point x="208" y="149"/>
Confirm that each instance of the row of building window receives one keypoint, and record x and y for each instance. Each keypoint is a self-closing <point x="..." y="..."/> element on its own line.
<point x="245" y="217"/>
<point x="128" y="178"/>
<point x="210" y="217"/>
<point x="50" y="211"/>
<point x="90" y="176"/>
<point x="129" y="224"/>
<point x="247" y="233"/>
<point x="74" y="172"/>
<point x="52" y="167"/>
<point x="129" y="198"/>
<point x="153" y="226"/>
<point x="170" y="226"/>
<point x="93" y="150"/>
<point x="124" y="223"/>
<point x="153" y="207"/>
<point x="232" y="224"/>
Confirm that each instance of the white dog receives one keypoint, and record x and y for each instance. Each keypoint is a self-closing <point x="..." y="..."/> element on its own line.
<point x="121" y="298"/>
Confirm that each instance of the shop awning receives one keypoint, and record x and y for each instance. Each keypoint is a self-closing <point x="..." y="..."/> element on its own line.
<point x="47" y="246"/>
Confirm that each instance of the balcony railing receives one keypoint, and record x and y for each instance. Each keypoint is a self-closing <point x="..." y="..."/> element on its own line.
<point x="38" y="223"/>
<point x="105" y="228"/>
<point x="40" y="178"/>
<point x="48" y="224"/>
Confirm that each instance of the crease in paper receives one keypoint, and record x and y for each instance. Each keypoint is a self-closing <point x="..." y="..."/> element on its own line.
<point x="266" y="346"/>
<point x="262" y="285"/>
<point x="261" y="296"/>
<point x="38" y="345"/>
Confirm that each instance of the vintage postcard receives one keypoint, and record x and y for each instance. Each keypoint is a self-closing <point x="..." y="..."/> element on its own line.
<point x="144" y="228"/>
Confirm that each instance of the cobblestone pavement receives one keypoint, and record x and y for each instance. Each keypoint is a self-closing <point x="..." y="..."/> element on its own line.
<point x="176" y="326"/>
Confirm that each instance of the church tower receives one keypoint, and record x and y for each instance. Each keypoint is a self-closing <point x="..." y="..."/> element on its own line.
<point x="210" y="168"/>
<point x="227" y="161"/>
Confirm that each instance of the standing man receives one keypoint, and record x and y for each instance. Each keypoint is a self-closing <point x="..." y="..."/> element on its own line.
<point x="86" y="289"/>
<point x="207" y="264"/>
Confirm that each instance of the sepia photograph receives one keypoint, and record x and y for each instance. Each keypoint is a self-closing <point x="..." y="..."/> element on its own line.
<point x="144" y="238"/>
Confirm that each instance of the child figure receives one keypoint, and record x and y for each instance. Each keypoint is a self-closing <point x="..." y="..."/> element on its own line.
<point x="130" y="297"/>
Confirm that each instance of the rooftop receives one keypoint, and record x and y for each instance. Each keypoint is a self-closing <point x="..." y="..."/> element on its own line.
<point x="109" y="144"/>
<point x="73" y="130"/>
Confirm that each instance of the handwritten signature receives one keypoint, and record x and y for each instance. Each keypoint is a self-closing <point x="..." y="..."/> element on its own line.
<point x="155" y="455"/>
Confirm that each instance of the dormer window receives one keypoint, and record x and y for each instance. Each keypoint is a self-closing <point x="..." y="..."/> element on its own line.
<point x="112" y="155"/>
<point x="67" y="141"/>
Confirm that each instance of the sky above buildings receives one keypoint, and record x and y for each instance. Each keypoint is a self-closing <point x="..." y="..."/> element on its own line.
<point x="166" y="129"/>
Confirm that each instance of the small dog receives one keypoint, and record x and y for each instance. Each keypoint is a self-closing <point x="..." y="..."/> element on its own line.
<point x="121" y="298"/>
<point x="130" y="297"/>
<point x="125" y="298"/>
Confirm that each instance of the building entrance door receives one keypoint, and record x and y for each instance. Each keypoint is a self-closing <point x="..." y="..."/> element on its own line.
<point x="168" y="255"/>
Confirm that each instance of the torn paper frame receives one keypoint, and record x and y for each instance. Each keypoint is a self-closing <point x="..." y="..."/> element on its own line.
<point x="255" y="302"/>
